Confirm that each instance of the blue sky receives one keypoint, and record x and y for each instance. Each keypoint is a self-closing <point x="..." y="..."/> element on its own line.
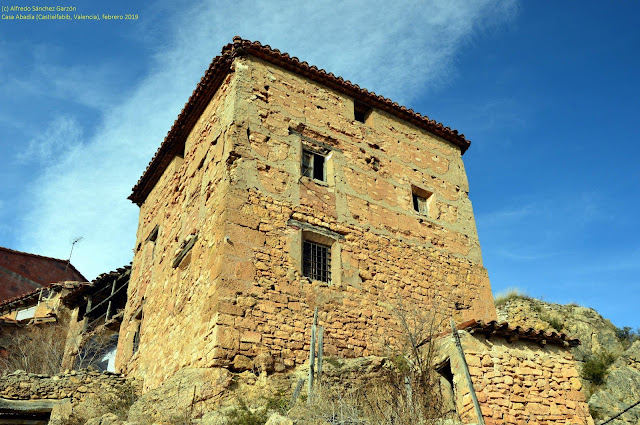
<point x="547" y="92"/>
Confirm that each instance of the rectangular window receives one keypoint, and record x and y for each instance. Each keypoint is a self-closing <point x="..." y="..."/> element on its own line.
<point x="421" y="200"/>
<point x="420" y="204"/>
<point x="316" y="261"/>
<point x="26" y="313"/>
<point x="137" y="317"/>
<point x="361" y="112"/>
<point x="136" y="338"/>
<point x="313" y="165"/>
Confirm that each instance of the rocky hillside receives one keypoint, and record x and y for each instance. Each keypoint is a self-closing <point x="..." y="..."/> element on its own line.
<point x="608" y="359"/>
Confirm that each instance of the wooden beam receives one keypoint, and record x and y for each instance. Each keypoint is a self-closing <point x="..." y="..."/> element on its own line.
<point x="108" y="298"/>
<point x="176" y="261"/>
<point x="463" y="361"/>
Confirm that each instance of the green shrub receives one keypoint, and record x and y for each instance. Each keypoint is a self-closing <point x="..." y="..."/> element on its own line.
<point x="627" y="336"/>
<point x="334" y="361"/>
<point x="595" y="368"/>
<point x="401" y="363"/>
<point x="243" y="415"/>
<point x="278" y="402"/>
<point x="554" y="322"/>
<point x="596" y="414"/>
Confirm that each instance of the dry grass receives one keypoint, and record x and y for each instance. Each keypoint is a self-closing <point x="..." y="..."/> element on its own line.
<point x="509" y="294"/>
<point x="117" y="402"/>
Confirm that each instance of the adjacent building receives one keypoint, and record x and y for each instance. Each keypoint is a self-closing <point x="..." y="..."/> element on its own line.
<point x="22" y="272"/>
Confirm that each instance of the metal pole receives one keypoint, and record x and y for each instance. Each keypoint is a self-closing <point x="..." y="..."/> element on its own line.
<point x="312" y="357"/>
<point x="463" y="360"/>
<point x="320" y="349"/>
<point x="71" y="252"/>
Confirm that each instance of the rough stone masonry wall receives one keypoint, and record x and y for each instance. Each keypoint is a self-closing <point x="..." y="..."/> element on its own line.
<point x="73" y="385"/>
<point x="386" y="253"/>
<point x="238" y="297"/>
<point x="518" y="383"/>
<point x="175" y="308"/>
<point x="271" y="308"/>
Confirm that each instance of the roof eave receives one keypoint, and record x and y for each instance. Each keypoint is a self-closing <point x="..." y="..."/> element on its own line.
<point x="215" y="75"/>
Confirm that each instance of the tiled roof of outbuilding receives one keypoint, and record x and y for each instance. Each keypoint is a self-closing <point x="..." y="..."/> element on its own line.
<point x="97" y="283"/>
<point x="504" y="330"/>
<point x="34" y="295"/>
<point x="77" y="288"/>
<point x="221" y="66"/>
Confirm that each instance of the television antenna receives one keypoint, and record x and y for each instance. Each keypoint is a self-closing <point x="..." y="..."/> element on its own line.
<point x="75" y="241"/>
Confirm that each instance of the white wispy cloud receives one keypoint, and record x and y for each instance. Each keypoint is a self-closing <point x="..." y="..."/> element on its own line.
<point x="401" y="50"/>
<point x="508" y="215"/>
<point x="54" y="141"/>
<point x="523" y="254"/>
<point x="91" y="85"/>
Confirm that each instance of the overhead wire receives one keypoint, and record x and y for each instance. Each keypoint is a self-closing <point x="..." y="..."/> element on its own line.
<point x="621" y="413"/>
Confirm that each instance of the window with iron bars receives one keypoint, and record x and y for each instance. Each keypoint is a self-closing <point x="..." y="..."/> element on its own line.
<point x="316" y="261"/>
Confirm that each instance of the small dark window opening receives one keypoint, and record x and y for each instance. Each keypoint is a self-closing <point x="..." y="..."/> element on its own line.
<point x="447" y="392"/>
<point x="316" y="261"/>
<point x="136" y="338"/>
<point x="420" y="199"/>
<point x="419" y="203"/>
<point x="445" y="371"/>
<point x="154" y="234"/>
<point x="361" y="112"/>
<point x="82" y="308"/>
<point x="313" y="165"/>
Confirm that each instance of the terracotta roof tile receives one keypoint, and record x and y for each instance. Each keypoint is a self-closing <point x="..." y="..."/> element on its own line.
<point x="14" y="251"/>
<point x="97" y="283"/>
<point x="36" y="292"/>
<point x="76" y="287"/>
<point x="215" y="75"/>
<point x="504" y="330"/>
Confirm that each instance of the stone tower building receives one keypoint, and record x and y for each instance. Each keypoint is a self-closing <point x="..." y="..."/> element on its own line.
<point x="281" y="188"/>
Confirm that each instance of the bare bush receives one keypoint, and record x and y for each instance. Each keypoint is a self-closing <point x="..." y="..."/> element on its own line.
<point x="330" y="405"/>
<point x="35" y="348"/>
<point x="92" y="349"/>
<point x="410" y="392"/>
<point x="404" y="391"/>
